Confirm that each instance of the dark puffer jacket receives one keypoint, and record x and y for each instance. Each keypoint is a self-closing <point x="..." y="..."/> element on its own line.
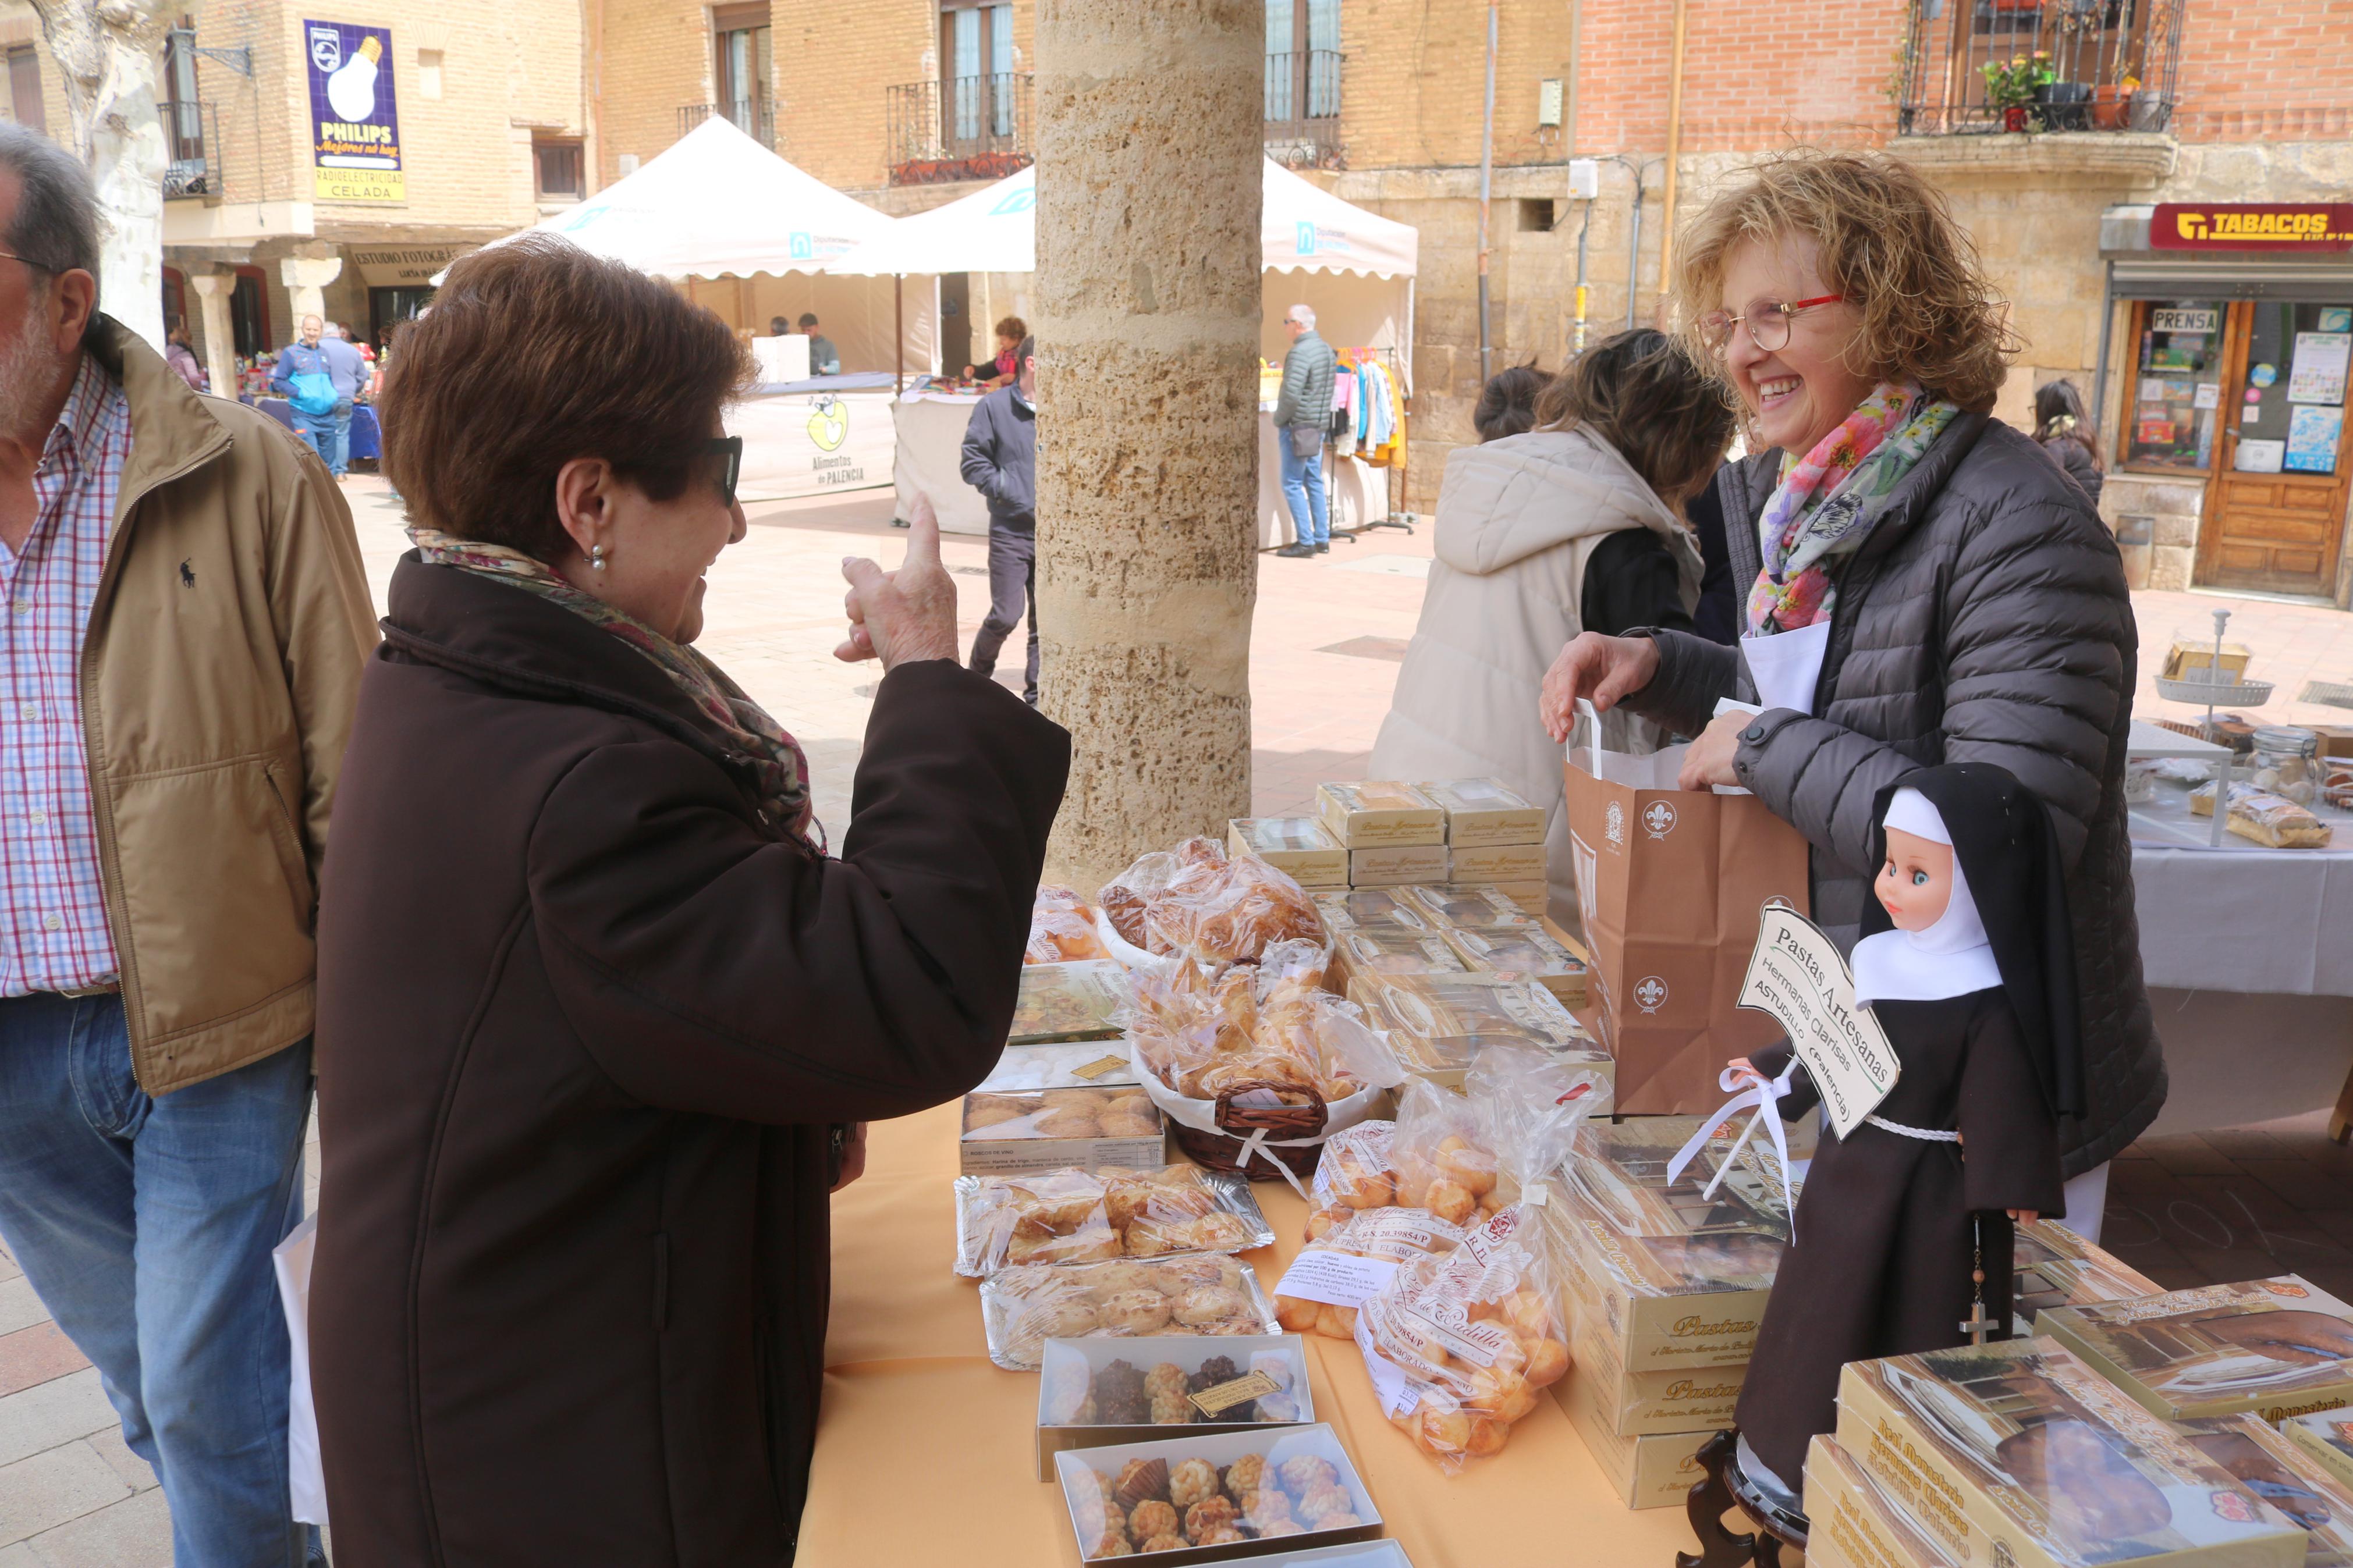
<point x="1984" y="618"/>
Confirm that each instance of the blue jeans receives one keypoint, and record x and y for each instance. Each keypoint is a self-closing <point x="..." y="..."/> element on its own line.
<point x="145" y="1226"/>
<point x="1302" y="487"/>
<point x="329" y="436"/>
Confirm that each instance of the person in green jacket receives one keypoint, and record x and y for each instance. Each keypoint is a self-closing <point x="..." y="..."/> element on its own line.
<point x="1302" y="417"/>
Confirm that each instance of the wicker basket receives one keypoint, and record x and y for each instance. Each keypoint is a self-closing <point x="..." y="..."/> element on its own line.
<point x="1283" y="1124"/>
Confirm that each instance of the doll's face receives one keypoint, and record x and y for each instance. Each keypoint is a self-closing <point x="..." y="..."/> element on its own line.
<point x="1916" y="882"/>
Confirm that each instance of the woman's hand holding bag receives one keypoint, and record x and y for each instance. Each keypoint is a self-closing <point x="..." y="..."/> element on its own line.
<point x="1599" y="669"/>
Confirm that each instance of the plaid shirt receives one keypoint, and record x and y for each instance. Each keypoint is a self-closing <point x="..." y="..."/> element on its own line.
<point x="53" y="931"/>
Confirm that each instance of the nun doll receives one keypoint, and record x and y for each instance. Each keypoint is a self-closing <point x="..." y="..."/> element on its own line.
<point x="1903" y="1235"/>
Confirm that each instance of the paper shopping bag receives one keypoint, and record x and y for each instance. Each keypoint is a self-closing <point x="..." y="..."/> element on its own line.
<point x="1673" y="884"/>
<point x="291" y="1259"/>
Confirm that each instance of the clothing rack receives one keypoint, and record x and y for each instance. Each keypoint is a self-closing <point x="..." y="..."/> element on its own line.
<point x="1398" y="517"/>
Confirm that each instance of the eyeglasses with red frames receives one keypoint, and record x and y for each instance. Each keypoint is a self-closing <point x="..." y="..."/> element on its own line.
<point x="1768" y="319"/>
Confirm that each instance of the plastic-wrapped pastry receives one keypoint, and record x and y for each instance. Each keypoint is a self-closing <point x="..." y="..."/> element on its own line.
<point x="1142" y="1312"/>
<point x="1073" y="1217"/>
<point x="1152" y="1517"/>
<point x="1208" y="1294"/>
<point x="1140" y="1481"/>
<point x="1210" y="1513"/>
<point x="1192" y="1481"/>
<point x="1061" y="927"/>
<point x="1209" y="1304"/>
<point x="1084" y="1246"/>
<point x="1231" y="912"/>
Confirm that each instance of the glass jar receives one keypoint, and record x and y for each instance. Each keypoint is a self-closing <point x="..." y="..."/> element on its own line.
<point x="2286" y="762"/>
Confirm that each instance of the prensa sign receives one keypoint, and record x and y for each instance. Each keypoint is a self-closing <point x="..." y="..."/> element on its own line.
<point x="2280" y="226"/>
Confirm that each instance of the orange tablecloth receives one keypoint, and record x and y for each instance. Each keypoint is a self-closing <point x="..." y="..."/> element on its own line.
<point x="927" y="1452"/>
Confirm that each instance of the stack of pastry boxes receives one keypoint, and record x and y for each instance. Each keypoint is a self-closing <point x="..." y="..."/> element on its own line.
<point x="1463" y="832"/>
<point x="1663" y="1288"/>
<point x="2160" y="1427"/>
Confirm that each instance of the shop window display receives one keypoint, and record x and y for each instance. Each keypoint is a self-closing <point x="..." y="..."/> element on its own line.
<point x="2178" y="386"/>
<point x="2296" y="358"/>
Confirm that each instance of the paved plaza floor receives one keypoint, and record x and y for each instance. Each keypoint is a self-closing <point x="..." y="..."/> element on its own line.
<point x="1328" y="637"/>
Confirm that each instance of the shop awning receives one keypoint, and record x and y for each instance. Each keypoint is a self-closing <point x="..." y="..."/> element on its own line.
<point x="718" y="205"/>
<point x="1303" y="229"/>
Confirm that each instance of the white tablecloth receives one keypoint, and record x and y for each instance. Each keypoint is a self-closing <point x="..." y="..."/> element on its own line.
<point x="929" y="459"/>
<point x="812" y="443"/>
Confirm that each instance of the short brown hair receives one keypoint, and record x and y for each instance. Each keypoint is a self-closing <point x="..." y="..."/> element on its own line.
<point x="536" y="352"/>
<point x="1641" y="393"/>
<point x="1013" y="327"/>
<point x="1888" y="242"/>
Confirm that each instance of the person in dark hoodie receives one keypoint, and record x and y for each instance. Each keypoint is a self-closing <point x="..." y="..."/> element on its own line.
<point x="1000" y="461"/>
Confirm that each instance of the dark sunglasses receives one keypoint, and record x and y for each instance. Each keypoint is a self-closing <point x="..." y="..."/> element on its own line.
<point x="731" y="449"/>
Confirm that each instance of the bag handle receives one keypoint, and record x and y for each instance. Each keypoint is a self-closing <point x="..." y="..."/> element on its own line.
<point x="1587" y="715"/>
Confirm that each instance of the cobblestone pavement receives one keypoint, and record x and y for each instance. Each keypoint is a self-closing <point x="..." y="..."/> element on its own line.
<point x="1328" y="635"/>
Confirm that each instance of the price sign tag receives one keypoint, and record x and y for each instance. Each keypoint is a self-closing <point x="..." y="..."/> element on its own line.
<point x="1796" y="975"/>
<point x="1213" y="1402"/>
<point x="1100" y="1066"/>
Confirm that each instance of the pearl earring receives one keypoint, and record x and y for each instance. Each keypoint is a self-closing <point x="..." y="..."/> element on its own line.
<point x="596" y="558"/>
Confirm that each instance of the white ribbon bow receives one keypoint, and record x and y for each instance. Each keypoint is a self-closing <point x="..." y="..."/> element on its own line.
<point x="1765" y="1095"/>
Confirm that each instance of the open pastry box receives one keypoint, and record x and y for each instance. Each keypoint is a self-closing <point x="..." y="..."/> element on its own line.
<point x="1305" y="1467"/>
<point x="1076" y="1409"/>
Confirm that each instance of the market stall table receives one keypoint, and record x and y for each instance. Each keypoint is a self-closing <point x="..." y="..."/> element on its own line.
<point x="925" y="1450"/>
<point x="2248" y="954"/>
<point x="367" y="436"/>
<point x="928" y="459"/>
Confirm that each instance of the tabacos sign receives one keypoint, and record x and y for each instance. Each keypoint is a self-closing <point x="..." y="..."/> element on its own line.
<point x="2252" y="225"/>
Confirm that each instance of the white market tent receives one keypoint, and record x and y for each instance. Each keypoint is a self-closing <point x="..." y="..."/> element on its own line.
<point x="746" y="233"/>
<point x="1364" y="297"/>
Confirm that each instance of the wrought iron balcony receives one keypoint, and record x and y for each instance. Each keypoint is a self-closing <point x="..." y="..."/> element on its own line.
<point x="1302" y="109"/>
<point x="966" y="128"/>
<point x="191" y="138"/>
<point x="754" y="117"/>
<point x="1985" y="65"/>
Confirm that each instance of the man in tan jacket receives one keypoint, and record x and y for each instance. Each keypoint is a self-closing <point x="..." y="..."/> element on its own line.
<point x="185" y="621"/>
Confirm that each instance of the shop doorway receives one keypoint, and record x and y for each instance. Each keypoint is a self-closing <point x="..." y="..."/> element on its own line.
<point x="2274" y="512"/>
<point x="388" y="307"/>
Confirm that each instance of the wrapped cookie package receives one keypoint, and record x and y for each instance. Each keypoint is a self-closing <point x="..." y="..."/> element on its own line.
<point x="2276" y="1347"/>
<point x="1008" y="1134"/>
<point x="1062" y="929"/>
<point x="1079" y="1001"/>
<point x="1525" y="954"/>
<point x="1375" y="815"/>
<point x="1186" y="1500"/>
<point x="1301" y="847"/>
<point x="1204" y="1294"/>
<point x="1066" y="1064"/>
<point x="1096" y="1393"/>
<point x="1080" y="1216"/>
<point x="2020" y="1452"/>
<point x="1373" y="907"/>
<point x="1437" y="1023"/>
<point x="1484" y="811"/>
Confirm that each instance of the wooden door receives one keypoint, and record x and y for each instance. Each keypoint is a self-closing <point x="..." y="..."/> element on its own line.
<point x="2275" y="510"/>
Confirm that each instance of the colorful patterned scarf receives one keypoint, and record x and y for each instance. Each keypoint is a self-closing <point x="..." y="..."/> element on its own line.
<point x="1826" y="499"/>
<point x="776" y="759"/>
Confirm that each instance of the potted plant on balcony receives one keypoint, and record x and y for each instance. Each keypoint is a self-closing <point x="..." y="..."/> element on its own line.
<point x="2010" y="89"/>
<point x="2112" y="103"/>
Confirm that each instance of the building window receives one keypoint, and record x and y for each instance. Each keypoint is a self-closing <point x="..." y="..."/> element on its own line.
<point x="428" y="73"/>
<point x="561" y="170"/>
<point x="975" y="71"/>
<point x="741" y="36"/>
<point x="1303" y="80"/>
<point x="25" y="87"/>
<point x="188" y="173"/>
<point x="2176" y="391"/>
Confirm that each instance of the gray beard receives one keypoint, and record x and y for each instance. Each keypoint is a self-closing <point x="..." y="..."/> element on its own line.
<point x="29" y="370"/>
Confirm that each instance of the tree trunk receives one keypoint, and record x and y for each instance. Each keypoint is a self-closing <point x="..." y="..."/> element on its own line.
<point x="110" y="54"/>
<point x="1149" y="148"/>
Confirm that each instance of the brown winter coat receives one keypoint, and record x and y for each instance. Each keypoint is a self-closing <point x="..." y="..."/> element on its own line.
<point x="219" y="680"/>
<point x="584" y="1021"/>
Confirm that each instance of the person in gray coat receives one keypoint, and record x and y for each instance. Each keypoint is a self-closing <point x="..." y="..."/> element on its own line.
<point x="1923" y="585"/>
<point x="1302" y="419"/>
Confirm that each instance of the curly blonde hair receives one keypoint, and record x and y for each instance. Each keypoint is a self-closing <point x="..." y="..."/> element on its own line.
<point x="1888" y="242"/>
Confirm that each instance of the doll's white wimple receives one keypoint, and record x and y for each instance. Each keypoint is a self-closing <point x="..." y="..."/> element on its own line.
<point x="1903" y="1237"/>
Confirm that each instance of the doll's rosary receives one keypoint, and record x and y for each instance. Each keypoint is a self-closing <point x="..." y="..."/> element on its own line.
<point x="1977" y="1323"/>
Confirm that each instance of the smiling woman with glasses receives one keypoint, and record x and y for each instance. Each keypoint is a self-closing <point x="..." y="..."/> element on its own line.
<point x="1924" y="586"/>
<point x="601" y="1018"/>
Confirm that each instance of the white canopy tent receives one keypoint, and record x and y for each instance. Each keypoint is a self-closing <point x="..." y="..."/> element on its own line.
<point x="1354" y="268"/>
<point x="746" y="233"/>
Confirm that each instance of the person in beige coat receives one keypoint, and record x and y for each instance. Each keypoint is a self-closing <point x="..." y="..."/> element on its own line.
<point x="1575" y="526"/>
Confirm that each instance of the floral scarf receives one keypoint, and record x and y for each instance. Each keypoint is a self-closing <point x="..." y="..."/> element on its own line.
<point x="1826" y="499"/>
<point x="778" y="762"/>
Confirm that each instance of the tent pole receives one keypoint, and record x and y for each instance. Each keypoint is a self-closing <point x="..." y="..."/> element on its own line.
<point x="898" y="331"/>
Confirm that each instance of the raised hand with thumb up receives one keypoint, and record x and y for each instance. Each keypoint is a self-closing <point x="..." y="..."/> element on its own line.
<point x="905" y="616"/>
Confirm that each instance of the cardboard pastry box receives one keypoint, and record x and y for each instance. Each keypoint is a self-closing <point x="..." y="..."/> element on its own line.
<point x="2277" y="1347"/>
<point x="1378" y="815"/>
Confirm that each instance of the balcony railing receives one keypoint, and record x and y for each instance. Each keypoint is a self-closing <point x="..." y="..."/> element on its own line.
<point x="1972" y="66"/>
<point x="754" y="117"/>
<point x="191" y="135"/>
<point x="1303" y="108"/>
<point x="966" y="128"/>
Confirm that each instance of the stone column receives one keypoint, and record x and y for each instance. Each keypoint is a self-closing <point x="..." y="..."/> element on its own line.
<point x="306" y="279"/>
<point x="213" y="291"/>
<point x="1149" y="117"/>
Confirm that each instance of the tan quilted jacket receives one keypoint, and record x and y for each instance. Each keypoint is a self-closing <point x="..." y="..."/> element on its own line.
<point x="218" y="680"/>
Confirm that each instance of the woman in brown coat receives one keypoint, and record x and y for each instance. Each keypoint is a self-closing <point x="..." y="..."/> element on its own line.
<point x="598" y="1015"/>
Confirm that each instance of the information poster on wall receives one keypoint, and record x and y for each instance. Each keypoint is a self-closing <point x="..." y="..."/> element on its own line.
<point x="2312" y="438"/>
<point x="2316" y="374"/>
<point x="354" y="120"/>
